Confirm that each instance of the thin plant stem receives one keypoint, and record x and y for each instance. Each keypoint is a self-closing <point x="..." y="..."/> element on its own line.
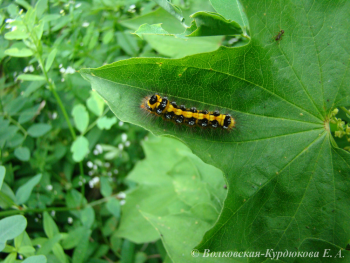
<point x="18" y="125"/>
<point x="57" y="209"/>
<point x="37" y="210"/>
<point x="345" y="110"/>
<point x="52" y="88"/>
<point x="95" y="122"/>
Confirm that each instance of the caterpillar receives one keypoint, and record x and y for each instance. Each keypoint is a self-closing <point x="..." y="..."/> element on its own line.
<point x="170" y="111"/>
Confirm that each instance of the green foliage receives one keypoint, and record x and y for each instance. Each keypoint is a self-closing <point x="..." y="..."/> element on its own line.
<point x="281" y="154"/>
<point x="73" y="187"/>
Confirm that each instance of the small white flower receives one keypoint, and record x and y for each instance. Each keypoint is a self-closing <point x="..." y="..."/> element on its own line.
<point x="85" y="24"/>
<point x="36" y="219"/>
<point x="62" y="70"/>
<point x="80" y="183"/>
<point x="49" y="187"/>
<point x="132" y="9"/>
<point x="120" y="146"/>
<point x="53" y="213"/>
<point x="61" y="11"/>
<point x="122" y="202"/>
<point x="89" y="164"/>
<point x="99" y="148"/>
<point x="91" y="173"/>
<point x="109" y="173"/>
<point x="20" y="256"/>
<point x="107" y="164"/>
<point x="124" y="137"/>
<point x="9" y="20"/>
<point x="70" y="70"/>
<point x="94" y="181"/>
<point x="62" y="79"/>
<point x="60" y="66"/>
<point x="54" y="115"/>
<point x="14" y="28"/>
<point x="29" y="68"/>
<point x="127" y="144"/>
<point x="70" y="220"/>
<point x="121" y="123"/>
<point x="78" y="5"/>
<point x="115" y="171"/>
<point x="96" y="152"/>
<point x="121" y="195"/>
<point x="95" y="167"/>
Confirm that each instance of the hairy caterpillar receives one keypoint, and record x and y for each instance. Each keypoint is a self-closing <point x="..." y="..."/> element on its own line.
<point x="170" y="111"/>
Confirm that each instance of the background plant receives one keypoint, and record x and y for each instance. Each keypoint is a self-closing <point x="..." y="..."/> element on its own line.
<point x="67" y="163"/>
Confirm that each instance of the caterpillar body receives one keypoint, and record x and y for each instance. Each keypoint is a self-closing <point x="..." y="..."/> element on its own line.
<point x="192" y="117"/>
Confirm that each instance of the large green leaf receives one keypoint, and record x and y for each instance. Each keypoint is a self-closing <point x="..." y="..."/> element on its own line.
<point x="176" y="181"/>
<point x="204" y="24"/>
<point x="288" y="183"/>
<point x="231" y="9"/>
<point x="167" y="45"/>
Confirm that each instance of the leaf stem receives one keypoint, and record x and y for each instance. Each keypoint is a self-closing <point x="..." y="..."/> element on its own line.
<point x="17" y="124"/>
<point x="346" y="110"/>
<point x="95" y="122"/>
<point x="101" y="201"/>
<point x="52" y="88"/>
<point x="37" y="210"/>
<point x="57" y="209"/>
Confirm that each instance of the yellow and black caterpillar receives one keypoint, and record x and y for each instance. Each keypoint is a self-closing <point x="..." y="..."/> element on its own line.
<point x="170" y="111"/>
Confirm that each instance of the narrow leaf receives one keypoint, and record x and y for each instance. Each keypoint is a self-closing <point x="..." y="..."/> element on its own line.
<point x="35" y="259"/>
<point x="79" y="253"/>
<point x="48" y="245"/>
<point x="23" y="193"/>
<point x="50" y="226"/>
<point x="50" y="59"/>
<point x="2" y="174"/>
<point x="31" y="77"/>
<point x="15" y="52"/>
<point x="24" y="4"/>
